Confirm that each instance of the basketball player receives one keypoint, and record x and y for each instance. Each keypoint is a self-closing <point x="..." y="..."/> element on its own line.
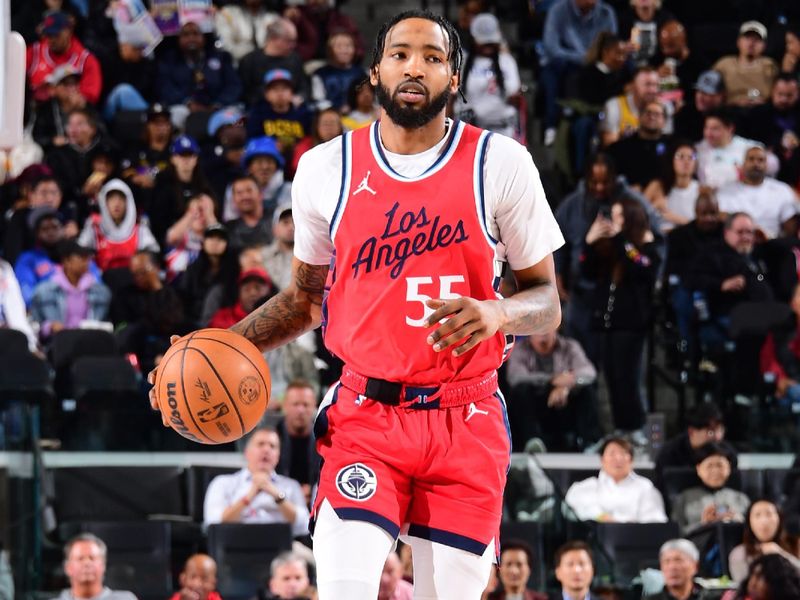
<point x="408" y="221"/>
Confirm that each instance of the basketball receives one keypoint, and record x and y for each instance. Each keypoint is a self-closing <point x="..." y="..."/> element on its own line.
<point x="213" y="385"/>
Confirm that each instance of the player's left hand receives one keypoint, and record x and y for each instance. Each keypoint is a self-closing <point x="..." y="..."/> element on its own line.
<point x="468" y="320"/>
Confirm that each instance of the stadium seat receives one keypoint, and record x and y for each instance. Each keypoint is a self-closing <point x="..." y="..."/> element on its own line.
<point x="715" y="541"/>
<point x="138" y="556"/>
<point x="24" y="376"/>
<point x="633" y="546"/>
<point x="243" y="553"/>
<point x="71" y="344"/>
<point x="12" y="342"/>
<point x="778" y="483"/>
<point x="80" y="494"/>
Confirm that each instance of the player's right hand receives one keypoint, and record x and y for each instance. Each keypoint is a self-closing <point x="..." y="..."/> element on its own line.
<point x="151" y="379"/>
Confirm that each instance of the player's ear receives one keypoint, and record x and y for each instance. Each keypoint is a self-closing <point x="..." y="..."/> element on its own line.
<point x="373" y="75"/>
<point x="455" y="81"/>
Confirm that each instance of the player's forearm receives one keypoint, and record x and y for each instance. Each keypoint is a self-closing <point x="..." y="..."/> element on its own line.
<point x="279" y="320"/>
<point x="289" y="313"/>
<point x="533" y="310"/>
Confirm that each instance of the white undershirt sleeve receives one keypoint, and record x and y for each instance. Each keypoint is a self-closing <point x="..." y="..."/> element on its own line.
<point x="520" y="218"/>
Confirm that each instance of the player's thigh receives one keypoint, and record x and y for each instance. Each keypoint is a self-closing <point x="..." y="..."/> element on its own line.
<point x="446" y="573"/>
<point x="349" y="556"/>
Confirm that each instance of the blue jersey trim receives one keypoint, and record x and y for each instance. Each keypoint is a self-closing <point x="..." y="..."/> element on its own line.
<point x="362" y="514"/>
<point x="448" y="538"/>
<point x="483" y="148"/>
<point x="345" y="185"/>
<point x="454" y="135"/>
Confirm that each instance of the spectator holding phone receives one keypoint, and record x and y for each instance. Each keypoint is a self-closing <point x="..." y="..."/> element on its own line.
<point x="712" y="501"/>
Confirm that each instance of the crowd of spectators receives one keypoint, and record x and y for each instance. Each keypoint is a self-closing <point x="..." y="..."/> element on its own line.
<point x="152" y="196"/>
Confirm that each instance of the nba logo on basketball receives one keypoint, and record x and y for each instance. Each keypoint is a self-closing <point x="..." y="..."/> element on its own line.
<point x="357" y="482"/>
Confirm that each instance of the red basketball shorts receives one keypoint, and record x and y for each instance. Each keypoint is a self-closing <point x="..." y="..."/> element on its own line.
<point x="436" y="474"/>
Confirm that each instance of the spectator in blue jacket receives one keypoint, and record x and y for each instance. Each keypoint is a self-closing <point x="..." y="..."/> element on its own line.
<point x="569" y="30"/>
<point x="39" y="263"/>
<point x="71" y="295"/>
<point x="196" y="76"/>
<point x="331" y="81"/>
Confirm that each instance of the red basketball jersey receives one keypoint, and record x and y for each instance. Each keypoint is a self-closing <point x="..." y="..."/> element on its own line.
<point x="399" y="241"/>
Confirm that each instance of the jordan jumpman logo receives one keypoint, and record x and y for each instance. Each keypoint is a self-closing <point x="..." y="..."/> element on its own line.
<point x="364" y="186"/>
<point x="474" y="410"/>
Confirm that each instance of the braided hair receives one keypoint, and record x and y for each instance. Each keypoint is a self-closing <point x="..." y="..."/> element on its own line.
<point x="454" y="54"/>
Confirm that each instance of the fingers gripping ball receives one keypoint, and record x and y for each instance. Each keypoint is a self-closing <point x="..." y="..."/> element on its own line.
<point x="213" y="386"/>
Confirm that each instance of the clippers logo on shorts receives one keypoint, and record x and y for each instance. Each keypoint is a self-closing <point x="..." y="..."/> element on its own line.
<point x="357" y="482"/>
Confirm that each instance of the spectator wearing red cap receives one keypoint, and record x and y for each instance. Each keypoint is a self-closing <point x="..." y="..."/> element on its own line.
<point x="277" y="116"/>
<point x="58" y="46"/>
<point x="254" y="287"/>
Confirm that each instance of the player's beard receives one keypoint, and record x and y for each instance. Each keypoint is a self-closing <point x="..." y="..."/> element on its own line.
<point x="410" y="117"/>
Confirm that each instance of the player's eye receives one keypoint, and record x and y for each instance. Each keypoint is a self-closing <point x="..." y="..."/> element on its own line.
<point x="434" y="59"/>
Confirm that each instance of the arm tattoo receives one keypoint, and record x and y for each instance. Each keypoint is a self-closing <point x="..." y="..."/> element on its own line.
<point x="289" y="313"/>
<point x="535" y="309"/>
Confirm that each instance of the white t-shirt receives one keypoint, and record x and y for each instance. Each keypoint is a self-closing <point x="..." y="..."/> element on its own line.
<point x="483" y="93"/>
<point x="518" y="215"/>
<point x="717" y="167"/>
<point x="681" y="201"/>
<point x="770" y="204"/>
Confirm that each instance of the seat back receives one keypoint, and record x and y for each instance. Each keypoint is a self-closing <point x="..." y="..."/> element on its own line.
<point x="243" y="553"/>
<point x="12" y="342"/>
<point x="70" y="344"/>
<point x="116" y="493"/>
<point x="138" y="556"/>
<point x="634" y="546"/>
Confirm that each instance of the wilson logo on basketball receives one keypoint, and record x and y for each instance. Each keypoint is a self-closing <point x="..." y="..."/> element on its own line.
<point x="175" y="416"/>
<point x="249" y="389"/>
<point x="212" y="414"/>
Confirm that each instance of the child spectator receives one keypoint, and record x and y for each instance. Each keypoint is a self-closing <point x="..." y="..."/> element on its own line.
<point x="276" y="116"/>
<point x="330" y="82"/>
<point x="198" y="579"/>
<point x="326" y="126"/>
<point x="72" y="295"/>
<point x="116" y="233"/>
<point x="361" y="101"/>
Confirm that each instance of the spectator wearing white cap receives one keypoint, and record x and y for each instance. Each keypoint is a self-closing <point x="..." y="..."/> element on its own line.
<point x="490" y="79"/>
<point x="749" y="75"/>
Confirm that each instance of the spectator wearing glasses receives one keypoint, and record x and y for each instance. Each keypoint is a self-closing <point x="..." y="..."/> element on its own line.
<point x="639" y="156"/>
<point x="704" y="423"/>
<point x="728" y="274"/>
